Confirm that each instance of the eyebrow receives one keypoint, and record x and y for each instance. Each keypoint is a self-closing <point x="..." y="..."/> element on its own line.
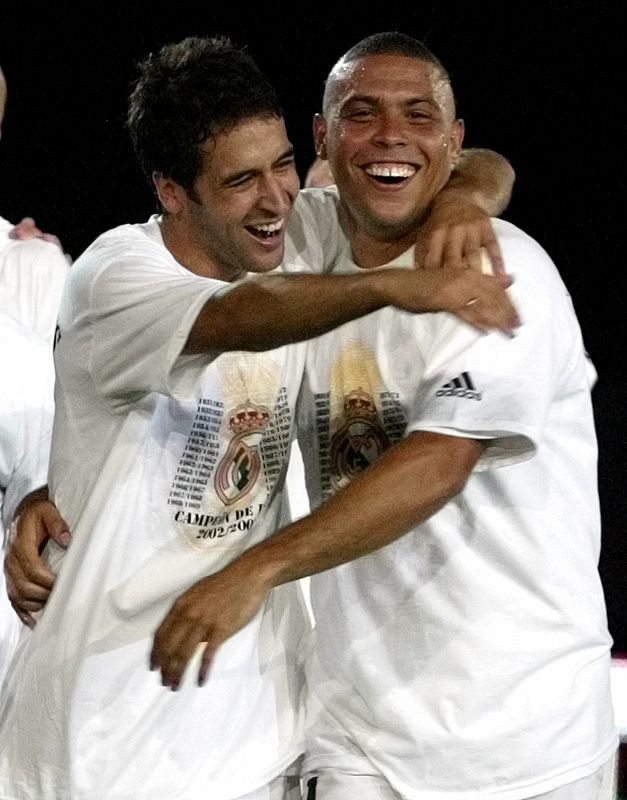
<point x="288" y="153"/>
<point x="375" y="100"/>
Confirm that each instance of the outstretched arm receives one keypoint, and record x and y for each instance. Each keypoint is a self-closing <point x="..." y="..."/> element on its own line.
<point x="268" y="311"/>
<point x="457" y="229"/>
<point x="415" y="477"/>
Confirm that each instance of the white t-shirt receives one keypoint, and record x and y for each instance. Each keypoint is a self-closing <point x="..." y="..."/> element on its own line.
<point x="470" y="658"/>
<point x="166" y="467"/>
<point x="32" y="276"/>
<point x="26" y="410"/>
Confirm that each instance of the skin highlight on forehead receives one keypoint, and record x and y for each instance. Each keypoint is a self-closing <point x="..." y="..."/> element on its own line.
<point x="345" y="76"/>
<point x="443" y="93"/>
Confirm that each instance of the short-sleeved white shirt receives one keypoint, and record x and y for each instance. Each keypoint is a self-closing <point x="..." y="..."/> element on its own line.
<point x="471" y="657"/>
<point x="166" y="467"/>
<point x="32" y="276"/>
<point x="26" y="410"/>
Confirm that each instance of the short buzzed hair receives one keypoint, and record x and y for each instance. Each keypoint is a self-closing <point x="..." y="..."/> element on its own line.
<point x="388" y="43"/>
<point x="392" y="43"/>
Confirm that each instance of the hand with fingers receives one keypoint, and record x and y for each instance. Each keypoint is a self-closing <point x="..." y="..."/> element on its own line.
<point x="205" y="616"/>
<point x="484" y="310"/>
<point x="455" y="235"/>
<point x="480" y="300"/>
<point x="27" y="229"/>
<point x="29" y="581"/>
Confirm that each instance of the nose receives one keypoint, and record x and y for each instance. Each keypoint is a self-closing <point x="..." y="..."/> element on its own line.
<point x="390" y="130"/>
<point x="274" y="195"/>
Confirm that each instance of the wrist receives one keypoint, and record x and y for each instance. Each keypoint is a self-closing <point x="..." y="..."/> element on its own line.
<point x="263" y="565"/>
<point x="393" y="286"/>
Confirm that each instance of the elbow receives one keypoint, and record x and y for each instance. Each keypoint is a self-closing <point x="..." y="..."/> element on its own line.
<point x="512" y="172"/>
<point x="509" y="178"/>
<point x="448" y="462"/>
<point x="455" y="483"/>
<point x="451" y="479"/>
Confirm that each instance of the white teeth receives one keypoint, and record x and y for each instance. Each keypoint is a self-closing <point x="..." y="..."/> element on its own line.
<point x="391" y="170"/>
<point x="270" y="227"/>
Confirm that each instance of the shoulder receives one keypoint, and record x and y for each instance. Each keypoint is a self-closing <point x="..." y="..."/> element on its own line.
<point x="517" y="246"/>
<point x="318" y="201"/>
<point x="549" y="318"/>
<point x="536" y="276"/>
<point x="314" y="232"/>
<point x="316" y="208"/>
<point x="127" y="247"/>
<point x="144" y="236"/>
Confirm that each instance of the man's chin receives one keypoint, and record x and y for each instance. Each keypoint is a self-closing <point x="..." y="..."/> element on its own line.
<point x="392" y="226"/>
<point x="390" y="216"/>
<point x="259" y="266"/>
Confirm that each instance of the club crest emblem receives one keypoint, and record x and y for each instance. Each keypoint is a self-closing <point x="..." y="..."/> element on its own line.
<point x="359" y="442"/>
<point x="241" y="464"/>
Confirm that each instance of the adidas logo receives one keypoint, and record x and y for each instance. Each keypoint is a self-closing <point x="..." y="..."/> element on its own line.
<point x="462" y="386"/>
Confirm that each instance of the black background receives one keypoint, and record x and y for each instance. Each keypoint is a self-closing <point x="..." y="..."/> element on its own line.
<point x="540" y="83"/>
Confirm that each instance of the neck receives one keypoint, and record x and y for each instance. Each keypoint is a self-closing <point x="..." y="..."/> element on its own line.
<point x="187" y="248"/>
<point x="370" y="250"/>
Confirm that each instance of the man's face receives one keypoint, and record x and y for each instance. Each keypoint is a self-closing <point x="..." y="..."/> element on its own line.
<point x="243" y="198"/>
<point x="391" y="137"/>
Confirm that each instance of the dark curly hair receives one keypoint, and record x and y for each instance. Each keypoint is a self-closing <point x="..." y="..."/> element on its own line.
<point x="190" y="91"/>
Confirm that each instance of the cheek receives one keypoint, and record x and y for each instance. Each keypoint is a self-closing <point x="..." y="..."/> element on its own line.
<point x="441" y="151"/>
<point x="345" y="140"/>
<point x="450" y="144"/>
<point x="292" y="185"/>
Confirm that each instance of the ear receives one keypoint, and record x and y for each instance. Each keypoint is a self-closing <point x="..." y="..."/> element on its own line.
<point x="170" y="194"/>
<point x="457" y="139"/>
<point x="319" y="135"/>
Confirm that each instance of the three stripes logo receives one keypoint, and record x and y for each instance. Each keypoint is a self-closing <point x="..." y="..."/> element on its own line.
<point x="462" y="386"/>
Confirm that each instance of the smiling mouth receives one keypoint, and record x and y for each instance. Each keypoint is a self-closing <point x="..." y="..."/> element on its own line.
<point x="390" y="173"/>
<point x="268" y="230"/>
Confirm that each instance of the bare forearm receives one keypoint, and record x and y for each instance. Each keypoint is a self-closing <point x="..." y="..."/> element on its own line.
<point x="269" y="311"/>
<point x="485" y="176"/>
<point x="413" y="480"/>
<point x="272" y="310"/>
<point x="410" y="483"/>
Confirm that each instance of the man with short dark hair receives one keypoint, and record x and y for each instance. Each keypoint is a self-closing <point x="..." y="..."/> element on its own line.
<point x="176" y="380"/>
<point x="460" y="647"/>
